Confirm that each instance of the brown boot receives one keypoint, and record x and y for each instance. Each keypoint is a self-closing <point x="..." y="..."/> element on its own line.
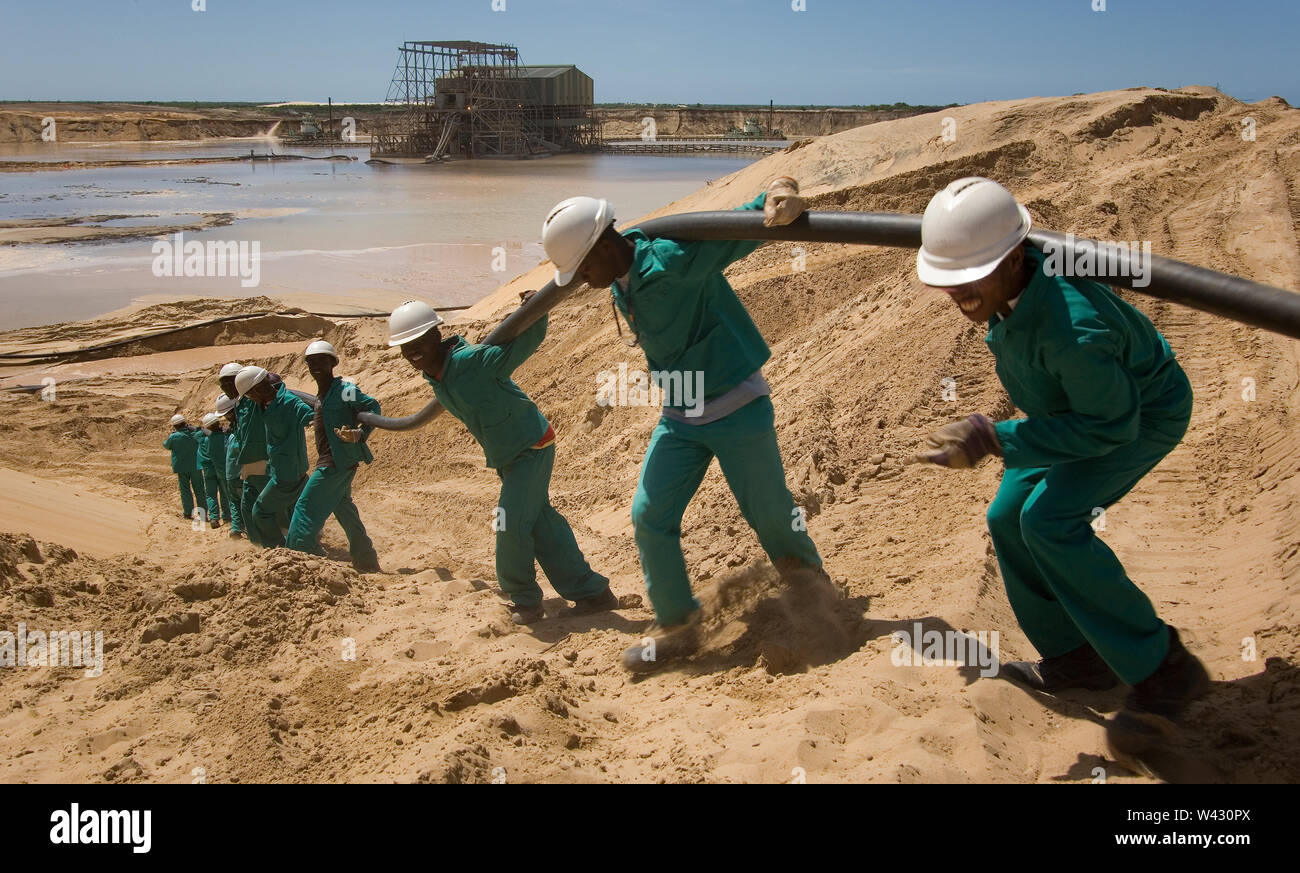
<point x="1143" y="729"/>
<point x="1081" y="668"/>
<point x="664" y="643"/>
<point x="1180" y="679"/>
<point x="524" y="615"/>
<point x="797" y="574"/>
<point x="602" y="602"/>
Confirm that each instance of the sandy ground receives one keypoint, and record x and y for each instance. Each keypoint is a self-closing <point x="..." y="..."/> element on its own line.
<point x="280" y="667"/>
<point x="54" y="231"/>
<point x="54" y="166"/>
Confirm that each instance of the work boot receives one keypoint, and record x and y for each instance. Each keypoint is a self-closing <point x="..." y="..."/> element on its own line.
<point x="366" y="565"/>
<point x="236" y="534"/>
<point x="526" y="614"/>
<point x="663" y="643"/>
<point x="1141" y="736"/>
<point x="602" y="602"/>
<point x="214" y="524"/>
<point x="797" y="574"/>
<point x="1180" y="679"/>
<point x="1081" y="668"/>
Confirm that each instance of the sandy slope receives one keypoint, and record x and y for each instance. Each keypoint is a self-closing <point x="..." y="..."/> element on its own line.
<point x="243" y="672"/>
<point x="125" y="122"/>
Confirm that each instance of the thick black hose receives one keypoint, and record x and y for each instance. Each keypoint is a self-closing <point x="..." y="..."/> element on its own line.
<point x="310" y="399"/>
<point x="1252" y="303"/>
<point x="865" y="228"/>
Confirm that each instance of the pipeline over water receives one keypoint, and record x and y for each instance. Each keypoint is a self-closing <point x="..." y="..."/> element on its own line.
<point x="1252" y="303"/>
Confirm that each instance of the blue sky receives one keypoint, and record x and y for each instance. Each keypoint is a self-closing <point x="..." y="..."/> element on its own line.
<point x="675" y="51"/>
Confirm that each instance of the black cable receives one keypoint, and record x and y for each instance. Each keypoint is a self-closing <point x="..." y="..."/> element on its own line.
<point x="1252" y="303"/>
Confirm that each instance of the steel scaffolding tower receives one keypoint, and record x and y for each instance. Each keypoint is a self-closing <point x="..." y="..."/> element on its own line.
<point x="473" y="99"/>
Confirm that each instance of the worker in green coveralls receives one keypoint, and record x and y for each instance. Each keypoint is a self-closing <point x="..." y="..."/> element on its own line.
<point x="340" y="449"/>
<point x="473" y="382"/>
<point x="183" y="443"/>
<point x="696" y="333"/>
<point x="283" y="415"/>
<point x="212" y="461"/>
<point x="1104" y="401"/>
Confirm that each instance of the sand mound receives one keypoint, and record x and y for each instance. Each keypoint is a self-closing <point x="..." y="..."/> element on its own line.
<point x="791" y="682"/>
<point x="145" y="330"/>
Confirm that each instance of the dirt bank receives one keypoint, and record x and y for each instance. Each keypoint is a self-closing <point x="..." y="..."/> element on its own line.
<point x="618" y="123"/>
<point x="126" y="122"/>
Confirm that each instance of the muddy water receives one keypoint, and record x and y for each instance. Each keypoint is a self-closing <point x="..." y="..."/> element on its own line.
<point x="445" y="233"/>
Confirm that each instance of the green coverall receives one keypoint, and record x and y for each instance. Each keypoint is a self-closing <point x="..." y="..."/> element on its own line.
<point x="212" y="460"/>
<point x="1105" y="402"/>
<point x="234" y="484"/>
<point x="250" y="439"/>
<point x="688" y="319"/>
<point x="475" y="386"/>
<point x="184" y="446"/>
<point x="286" y="466"/>
<point x="329" y="489"/>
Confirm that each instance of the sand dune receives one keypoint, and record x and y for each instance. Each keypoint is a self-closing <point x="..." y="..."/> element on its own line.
<point x="234" y="661"/>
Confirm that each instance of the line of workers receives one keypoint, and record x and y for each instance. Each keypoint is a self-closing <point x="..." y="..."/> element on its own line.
<point x="1103" y="396"/>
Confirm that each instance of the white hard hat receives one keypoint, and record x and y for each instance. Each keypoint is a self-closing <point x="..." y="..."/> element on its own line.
<point x="177" y="419"/>
<point x="210" y="419"/>
<point x="968" y="228"/>
<point x="231" y="369"/>
<point x="571" y="230"/>
<point x="412" y="320"/>
<point x="225" y="404"/>
<point x="320" y="347"/>
<point x="247" y="378"/>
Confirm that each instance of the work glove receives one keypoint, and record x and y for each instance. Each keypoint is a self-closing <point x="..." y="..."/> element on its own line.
<point x="960" y="445"/>
<point x="348" y="434"/>
<point x="783" y="204"/>
<point x="525" y="296"/>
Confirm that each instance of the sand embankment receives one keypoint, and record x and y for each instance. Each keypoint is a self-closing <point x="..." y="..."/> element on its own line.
<point x="127" y="122"/>
<point x="621" y="123"/>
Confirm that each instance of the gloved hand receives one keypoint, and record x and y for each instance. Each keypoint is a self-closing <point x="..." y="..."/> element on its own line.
<point x="525" y="296"/>
<point x="961" y="445"/>
<point x="783" y="204"/>
<point x="348" y="434"/>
